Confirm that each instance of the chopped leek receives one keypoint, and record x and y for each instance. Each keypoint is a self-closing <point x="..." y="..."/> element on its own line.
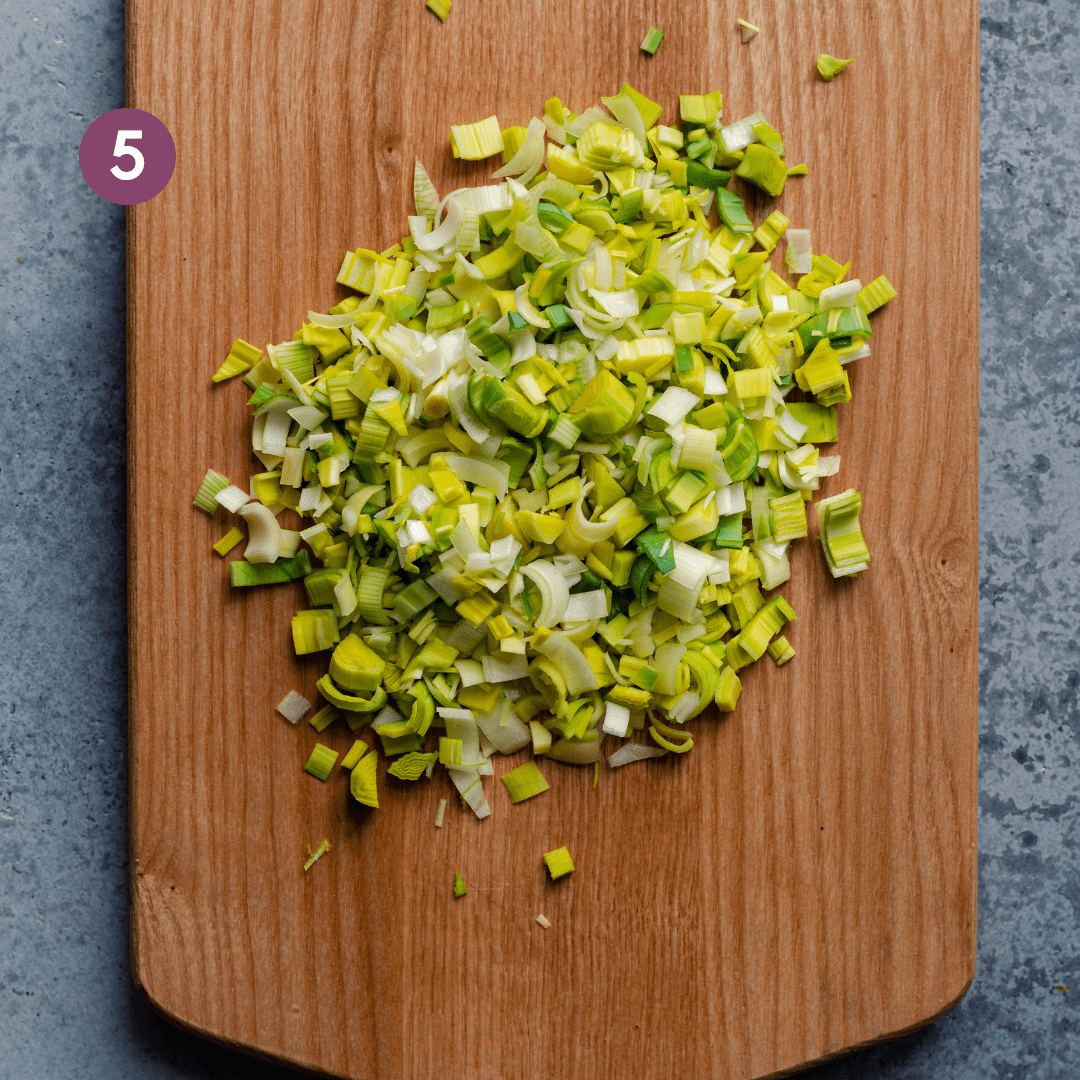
<point x="293" y="706"/>
<point x="316" y="855"/>
<point x="828" y="67"/>
<point x="544" y="456"/>
<point x="228" y="542"/>
<point x="460" y="888"/>
<point x="441" y="8"/>
<point x="524" y="782"/>
<point x="321" y="762"/>
<point x="652" y="41"/>
<point x="559" y="863"/>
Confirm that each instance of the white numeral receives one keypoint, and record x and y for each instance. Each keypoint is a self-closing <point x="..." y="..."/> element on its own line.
<point x="123" y="150"/>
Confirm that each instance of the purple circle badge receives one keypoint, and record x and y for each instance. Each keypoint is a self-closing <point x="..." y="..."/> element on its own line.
<point x="127" y="156"/>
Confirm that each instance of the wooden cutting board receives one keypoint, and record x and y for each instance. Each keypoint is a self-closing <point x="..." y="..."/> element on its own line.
<point x="804" y="881"/>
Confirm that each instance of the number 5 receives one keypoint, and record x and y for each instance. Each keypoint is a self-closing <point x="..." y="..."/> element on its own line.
<point x="123" y="150"/>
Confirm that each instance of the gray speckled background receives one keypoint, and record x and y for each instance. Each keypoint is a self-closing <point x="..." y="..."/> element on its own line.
<point x="67" y="1005"/>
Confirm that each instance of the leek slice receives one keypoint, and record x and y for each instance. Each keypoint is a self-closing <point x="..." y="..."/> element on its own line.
<point x="828" y="67"/>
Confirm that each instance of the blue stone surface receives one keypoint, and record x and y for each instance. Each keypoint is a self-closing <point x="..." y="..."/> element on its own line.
<point x="68" y="1008"/>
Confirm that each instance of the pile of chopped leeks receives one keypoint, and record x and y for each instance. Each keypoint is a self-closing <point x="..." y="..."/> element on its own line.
<point x="549" y="451"/>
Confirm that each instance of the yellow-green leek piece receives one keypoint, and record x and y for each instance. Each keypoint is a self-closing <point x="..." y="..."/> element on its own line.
<point x="355" y="753"/>
<point x="524" y="782"/>
<point x="316" y="855"/>
<point x="321" y="762"/>
<point x="473" y="142"/>
<point x="411" y="766"/>
<point x="241" y="357"/>
<point x="324" y="718"/>
<point x="728" y="690"/>
<point x="559" y="863"/>
<point x="212" y="483"/>
<point x="874" y="295"/>
<point x="652" y="41"/>
<point x="228" y="542"/>
<point x="670" y="738"/>
<point x="828" y="67"/>
<point x="780" y="650"/>
<point x="460" y="889"/>
<point x="362" y="781"/>
<point x="440" y="7"/>
<point x="763" y="168"/>
<point x="350" y="702"/>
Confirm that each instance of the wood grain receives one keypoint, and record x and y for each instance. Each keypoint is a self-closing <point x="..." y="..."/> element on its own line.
<point x="804" y="881"/>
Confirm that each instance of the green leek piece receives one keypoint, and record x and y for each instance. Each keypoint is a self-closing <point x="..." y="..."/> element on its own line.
<point x="441" y="8"/>
<point x="350" y="702"/>
<point x="729" y="532"/>
<point x="658" y="546"/>
<point x="820" y="420"/>
<point x="212" y="483"/>
<point x="768" y="136"/>
<point x="355" y="666"/>
<point x="324" y="718"/>
<point x="355" y="753"/>
<point x="652" y="41"/>
<point x="604" y="407"/>
<point x="787" y="517"/>
<point x="242" y="573"/>
<point x="763" y="168"/>
<point x="460" y="889"/>
<point x="740" y="450"/>
<point x="701" y="176"/>
<point x="764" y="625"/>
<point x="314" y="630"/>
<point x="400" y="744"/>
<point x="780" y="650"/>
<point x="733" y="211"/>
<point x="524" y="782"/>
<point x="412" y="766"/>
<point x="728" y="690"/>
<point x="559" y="863"/>
<point x="316" y="855"/>
<point x="828" y="67"/>
<point x="321" y="762"/>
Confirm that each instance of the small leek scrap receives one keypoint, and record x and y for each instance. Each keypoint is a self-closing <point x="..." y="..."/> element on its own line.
<point x="228" y="542"/>
<point x="441" y="8"/>
<point x="828" y="67"/>
<point x="652" y="41"/>
<point x="316" y="855"/>
<point x="213" y="483"/>
<point x="559" y="863"/>
<point x="460" y="888"/>
<point x="543" y="920"/>
<point x="293" y="706"/>
<point x="748" y="30"/>
<point x="524" y="782"/>
<point x="321" y="762"/>
<point x="241" y="358"/>
<point x="544" y="451"/>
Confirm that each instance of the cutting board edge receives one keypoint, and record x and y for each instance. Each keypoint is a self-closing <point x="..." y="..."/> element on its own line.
<point x="169" y="1013"/>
